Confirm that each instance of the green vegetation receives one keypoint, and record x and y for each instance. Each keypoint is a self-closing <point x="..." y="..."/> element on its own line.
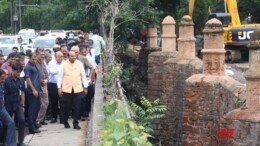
<point x="147" y="112"/>
<point x="110" y="106"/>
<point x="132" y="15"/>
<point x="120" y="131"/>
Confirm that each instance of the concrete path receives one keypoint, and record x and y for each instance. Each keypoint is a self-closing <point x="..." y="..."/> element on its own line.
<point x="57" y="135"/>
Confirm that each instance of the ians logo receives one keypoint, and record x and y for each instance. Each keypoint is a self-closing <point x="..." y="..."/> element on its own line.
<point x="244" y="35"/>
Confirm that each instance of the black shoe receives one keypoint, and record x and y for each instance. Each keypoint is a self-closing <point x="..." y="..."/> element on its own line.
<point x="21" y="144"/>
<point x="83" y="118"/>
<point x="43" y="123"/>
<point x="53" y="120"/>
<point x="66" y="125"/>
<point x="34" y="131"/>
<point x="76" y="127"/>
<point x="38" y="125"/>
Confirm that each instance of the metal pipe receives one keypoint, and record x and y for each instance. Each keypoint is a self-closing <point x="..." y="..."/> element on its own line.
<point x="20" y="14"/>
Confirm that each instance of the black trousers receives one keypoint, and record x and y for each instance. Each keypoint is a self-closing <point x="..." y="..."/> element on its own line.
<point x="17" y="110"/>
<point x="68" y="101"/>
<point x="53" y="99"/>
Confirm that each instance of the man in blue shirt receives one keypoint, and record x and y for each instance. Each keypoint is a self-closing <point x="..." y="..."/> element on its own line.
<point x="5" y="118"/>
<point x="33" y="80"/>
<point x="15" y="98"/>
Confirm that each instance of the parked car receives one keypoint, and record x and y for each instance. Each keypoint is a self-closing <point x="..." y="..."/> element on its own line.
<point x="10" y="41"/>
<point x="46" y="42"/>
<point x="30" y="33"/>
<point x="57" y="33"/>
<point x="6" y="49"/>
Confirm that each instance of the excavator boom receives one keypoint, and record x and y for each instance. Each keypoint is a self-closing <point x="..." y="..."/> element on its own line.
<point x="191" y="7"/>
<point x="233" y="10"/>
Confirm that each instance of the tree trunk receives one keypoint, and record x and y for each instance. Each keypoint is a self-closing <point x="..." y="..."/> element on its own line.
<point x="102" y="25"/>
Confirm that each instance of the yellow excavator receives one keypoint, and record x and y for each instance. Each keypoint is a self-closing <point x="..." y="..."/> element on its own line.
<point x="236" y="35"/>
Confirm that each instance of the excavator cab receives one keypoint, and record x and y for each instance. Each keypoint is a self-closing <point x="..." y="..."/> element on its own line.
<point x="225" y="18"/>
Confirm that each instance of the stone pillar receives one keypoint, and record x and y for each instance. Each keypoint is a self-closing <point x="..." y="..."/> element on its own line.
<point x="253" y="73"/>
<point x="213" y="52"/>
<point x="209" y="96"/>
<point x="152" y="36"/>
<point x="168" y="36"/>
<point x="176" y="71"/>
<point x="246" y="121"/>
<point x="186" y="41"/>
<point x="155" y="63"/>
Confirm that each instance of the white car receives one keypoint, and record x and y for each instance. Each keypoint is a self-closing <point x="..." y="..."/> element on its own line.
<point x="46" y="42"/>
<point x="30" y="33"/>
<point x="57" y="33"/>
<point x="7" y="49"/>
<point x="10" y="41"/>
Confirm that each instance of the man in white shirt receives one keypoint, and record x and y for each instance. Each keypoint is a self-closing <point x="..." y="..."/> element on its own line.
<point x="86" y="102"/>
<point x="98" y="45"/>
<point x="53" y="68"/>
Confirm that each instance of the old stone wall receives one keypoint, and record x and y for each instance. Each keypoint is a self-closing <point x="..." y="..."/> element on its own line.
<point x="176" y="71"/>
<point x="207" y="100"/>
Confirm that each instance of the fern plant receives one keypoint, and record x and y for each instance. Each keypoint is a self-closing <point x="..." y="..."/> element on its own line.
<point x="147" y="112"/>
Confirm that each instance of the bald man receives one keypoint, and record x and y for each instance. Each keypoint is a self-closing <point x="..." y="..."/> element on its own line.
<point x="53" y="68"/>
<point x="72" y="84"/>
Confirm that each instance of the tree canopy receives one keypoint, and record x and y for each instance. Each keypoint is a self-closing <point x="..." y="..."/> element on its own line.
<point x="68" y="14"/>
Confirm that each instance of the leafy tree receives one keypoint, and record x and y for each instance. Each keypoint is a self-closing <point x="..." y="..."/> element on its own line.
<point x="114" y="13"/>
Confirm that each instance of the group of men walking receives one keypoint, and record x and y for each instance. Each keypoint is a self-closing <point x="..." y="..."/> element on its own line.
<point x="48" y="83"/>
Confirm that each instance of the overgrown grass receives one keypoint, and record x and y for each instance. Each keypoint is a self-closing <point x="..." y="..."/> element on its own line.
<point x="110" y="122"/>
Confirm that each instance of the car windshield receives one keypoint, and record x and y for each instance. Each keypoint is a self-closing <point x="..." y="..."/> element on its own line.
<point x="6" y="50"/>
<point x="6" y="40"/>
<point x="27" y="34"/>
<point x="45" y="43"/>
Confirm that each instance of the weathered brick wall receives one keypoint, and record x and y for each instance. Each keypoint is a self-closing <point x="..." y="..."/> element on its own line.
<point x="155" y="71"/>
<point x="246" y="133"/>
<point x="207" y="100"/>
<point x="176" y="71"/>
<point x="143" y="60"/>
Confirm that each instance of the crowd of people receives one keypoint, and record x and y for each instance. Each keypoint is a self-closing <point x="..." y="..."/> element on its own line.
<point x="42" y="85"/>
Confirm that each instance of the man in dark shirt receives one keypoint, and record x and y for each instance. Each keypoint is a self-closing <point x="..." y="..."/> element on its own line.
<point x="14" y="99"/>
<point x="33" y="80"/>
<point x="5" y="118"/>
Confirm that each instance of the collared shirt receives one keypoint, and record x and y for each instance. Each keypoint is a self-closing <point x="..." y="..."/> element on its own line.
<point x="7" y="66"/>
<point x="54" y="68"/>
<point x="42" y="69"/>
<point x="32" y="72"/>
<point x="13" y="90"/>
<point x="1" y="97"/>
<point x="89" y="57"/>
<point x="46" y="66"/>
<point x="92" y="59"/>
<point x="98" y="43"/>
<point x="87" y="64"/>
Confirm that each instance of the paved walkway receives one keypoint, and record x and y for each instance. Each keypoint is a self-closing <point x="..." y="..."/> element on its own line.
<point x="57" y="135"/>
